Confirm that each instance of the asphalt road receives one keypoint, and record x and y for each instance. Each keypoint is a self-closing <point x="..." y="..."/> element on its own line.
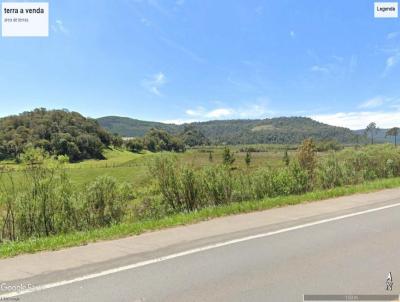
<point x="347" y="256"/>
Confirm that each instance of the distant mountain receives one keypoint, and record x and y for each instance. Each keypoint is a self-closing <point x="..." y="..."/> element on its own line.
<point x="380" y="136"/>
<point x="129" y="127"/>
<point x="281" y="130"/>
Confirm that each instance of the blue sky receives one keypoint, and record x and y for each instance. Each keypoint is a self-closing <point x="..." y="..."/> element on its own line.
<point x="190" y="60"/>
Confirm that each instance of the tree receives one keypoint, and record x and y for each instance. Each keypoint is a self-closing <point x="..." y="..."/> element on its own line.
<point x="393" y="132"/>
<point x="307" y="155"/>
<point x="286" y="158"/>
<point x="192" y="136"/>
<point x="228" y="157"/>
<point x="135" y="145"/>
<point x="371" y="130"/>
<point x="117" y="141"/>
<point x="161" y="140"/>
<point x="247" y="158"/>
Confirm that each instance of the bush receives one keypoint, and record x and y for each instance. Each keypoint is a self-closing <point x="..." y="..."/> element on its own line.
<point x="328" y="145"/>
<point x="271" y="183"/>
<point x="44" y="203"/>
<point x="307" y="155"/>
<point x="218" y="182"/>
<point x="331" y="173"/>
<point x="150" y="206"/>
<point x="135" y="145"/>
<point x="228" y="158"/>
<point x="179" y="185"/>
<point x="106" y="201"/>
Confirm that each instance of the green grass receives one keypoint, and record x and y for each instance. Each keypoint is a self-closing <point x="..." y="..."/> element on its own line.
<point x="10" y="249"/>
<point x="133" y="168"/>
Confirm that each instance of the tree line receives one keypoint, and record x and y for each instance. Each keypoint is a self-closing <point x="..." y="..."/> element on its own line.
<point x="160" y="140"/>
<point x="61" y="132"/>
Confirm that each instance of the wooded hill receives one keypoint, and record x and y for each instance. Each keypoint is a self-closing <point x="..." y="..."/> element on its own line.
<point x="281" y="130"/>
<point x="59" y="132"/>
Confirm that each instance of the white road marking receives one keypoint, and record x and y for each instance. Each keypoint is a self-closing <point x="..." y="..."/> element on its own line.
<point x="188" y="252"/>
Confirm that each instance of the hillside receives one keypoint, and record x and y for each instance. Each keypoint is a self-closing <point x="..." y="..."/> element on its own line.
<point x="281" y="130"/>
<point x="59" y="132"/>
<point x="129" y="127"/>
<point x="380" y="136"/>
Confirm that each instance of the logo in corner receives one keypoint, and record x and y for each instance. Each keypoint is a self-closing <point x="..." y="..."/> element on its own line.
<point x="389" y="282"/>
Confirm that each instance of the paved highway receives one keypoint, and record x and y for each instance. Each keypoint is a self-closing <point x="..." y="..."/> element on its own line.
<point x="349" y="252"/>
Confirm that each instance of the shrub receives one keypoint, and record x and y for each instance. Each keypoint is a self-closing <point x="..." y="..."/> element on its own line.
<point x="286" y="158"/>
<point x="44" y="203"/>
<point x="165" y="172"/>
<point x="247" y="158"/>
<point x="150" y="206"/>
<point x="179" y="185"/>
<point x="228" y="158"/>
<point x="106" y="201"/>
<point x="300" y="178"/>
<point x="330" y="172"/>
<point x="191" y="189"/>
<point x="243" y="187"/>
<point x="218" y="184"/>
<point x="289" y="180"/>
<point x="307" y="155"/>
<point x="135" y="145"/>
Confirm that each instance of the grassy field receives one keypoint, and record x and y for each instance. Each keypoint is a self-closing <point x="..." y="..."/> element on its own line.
<point x="133" y="168"/>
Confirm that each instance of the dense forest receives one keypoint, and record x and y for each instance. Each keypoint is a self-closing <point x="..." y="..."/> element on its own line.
<point x="59" y="132"/>
<point x="282" y="130"/>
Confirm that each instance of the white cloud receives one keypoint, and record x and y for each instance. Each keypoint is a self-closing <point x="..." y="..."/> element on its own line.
<point x="258" y="109"/>
<point x="220" y="112"/>
<point x="317" y="68"/>
<point x="59" y="27"/>
<point x="154" y="83"/>
<point x="392" y="61"/>
<point x="199" y="111"/>
<point x="254" y="111"/>
<point x="392" y="35"/>
<point x="179" y="121"/>
<point x="217" y="113"/>
<point x="372" y="103"/>
<point x="359" y="120"/>
<point x="145" y="21"/>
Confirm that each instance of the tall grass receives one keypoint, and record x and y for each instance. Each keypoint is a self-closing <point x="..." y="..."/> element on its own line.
<point x="185" y="188"/>
<point x="44" y="202"/>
